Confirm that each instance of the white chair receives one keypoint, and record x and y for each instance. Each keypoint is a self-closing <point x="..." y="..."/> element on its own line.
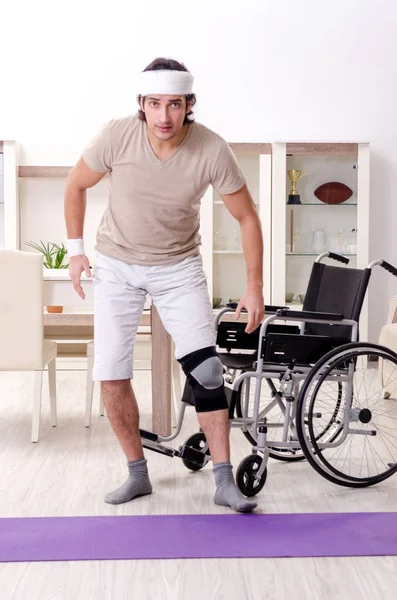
<point x="143" y="352"/>
<point x="22" y="344"/>
<point x="388" y="338"/>
<point x="90" y="387"/>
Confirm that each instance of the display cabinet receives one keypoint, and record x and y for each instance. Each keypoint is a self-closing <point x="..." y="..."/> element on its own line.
<point x="327" y="211"/>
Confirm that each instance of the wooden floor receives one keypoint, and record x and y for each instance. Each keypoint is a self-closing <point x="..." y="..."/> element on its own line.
<point x="71" y="468"/>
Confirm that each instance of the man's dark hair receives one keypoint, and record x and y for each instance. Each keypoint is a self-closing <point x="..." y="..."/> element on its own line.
<point x="168" y="64"/>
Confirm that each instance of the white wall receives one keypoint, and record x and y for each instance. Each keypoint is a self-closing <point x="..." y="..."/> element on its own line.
<point x="264" y="70"/>
<point x="1" y="202"/>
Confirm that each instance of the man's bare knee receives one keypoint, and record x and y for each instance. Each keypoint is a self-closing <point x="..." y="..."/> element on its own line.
<point x="118" y="395"/>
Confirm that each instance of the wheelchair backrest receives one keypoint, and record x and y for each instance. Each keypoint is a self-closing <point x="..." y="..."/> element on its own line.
<point x="335" y="290"/>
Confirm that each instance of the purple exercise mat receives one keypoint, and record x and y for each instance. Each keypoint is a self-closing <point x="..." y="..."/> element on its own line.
<point x="198" y="536"/>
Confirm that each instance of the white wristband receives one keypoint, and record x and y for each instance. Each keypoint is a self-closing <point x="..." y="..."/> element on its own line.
<point x="75" y="247"/>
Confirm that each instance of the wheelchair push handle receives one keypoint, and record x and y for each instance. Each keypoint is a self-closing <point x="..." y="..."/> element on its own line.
<point x="267" y="308"/>
<point x="339" y="258"/>
<point x="333" y="256"/>
<point x="389" y="268"/>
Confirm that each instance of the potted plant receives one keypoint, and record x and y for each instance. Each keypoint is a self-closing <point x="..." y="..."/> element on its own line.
<point x="53" y="258"/>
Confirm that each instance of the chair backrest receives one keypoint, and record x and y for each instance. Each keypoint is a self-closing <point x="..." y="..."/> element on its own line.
<point x="392" y="316"/>
<point x="21" y="310"/>
<point x="335" y="290"/>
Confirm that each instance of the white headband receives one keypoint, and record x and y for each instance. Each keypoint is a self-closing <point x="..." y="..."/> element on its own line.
<point x="165" y="82"/>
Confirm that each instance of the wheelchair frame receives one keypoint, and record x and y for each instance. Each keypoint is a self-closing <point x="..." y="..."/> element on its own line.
<point x="196" y="456"/>
<point x="289" y="381"/>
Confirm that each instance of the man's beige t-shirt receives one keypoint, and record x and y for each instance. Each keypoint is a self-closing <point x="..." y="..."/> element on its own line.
<point x="153" y="213"/>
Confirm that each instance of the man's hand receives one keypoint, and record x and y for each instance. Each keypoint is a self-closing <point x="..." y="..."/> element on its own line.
<point x="254" y="303"/>
<point x="78" y="264"/>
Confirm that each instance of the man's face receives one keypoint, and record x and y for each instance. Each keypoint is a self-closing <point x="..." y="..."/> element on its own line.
<point x="164" y="115"/>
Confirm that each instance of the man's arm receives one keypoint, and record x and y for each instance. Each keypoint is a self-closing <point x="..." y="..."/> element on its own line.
<point x="80" y="178"/>
<point x="241" y="207"/>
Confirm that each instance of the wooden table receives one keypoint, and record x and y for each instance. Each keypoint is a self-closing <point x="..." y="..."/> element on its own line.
<point x="161" y="359"/>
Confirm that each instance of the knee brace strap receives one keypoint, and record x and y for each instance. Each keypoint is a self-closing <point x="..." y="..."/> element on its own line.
<point x="204" y="372"/>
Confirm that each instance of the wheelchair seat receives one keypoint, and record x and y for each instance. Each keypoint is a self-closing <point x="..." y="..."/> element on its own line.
<point x="238" y="361"/>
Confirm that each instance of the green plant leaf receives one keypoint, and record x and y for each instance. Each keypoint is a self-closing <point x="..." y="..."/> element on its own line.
<point x="53" y="254"/>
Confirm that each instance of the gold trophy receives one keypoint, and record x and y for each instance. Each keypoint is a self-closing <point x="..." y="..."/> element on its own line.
<point x="294" y="175"/>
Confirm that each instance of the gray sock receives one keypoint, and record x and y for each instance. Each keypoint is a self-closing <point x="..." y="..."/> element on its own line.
<point x="137" y="484"/>
<point x="227" y="493"/>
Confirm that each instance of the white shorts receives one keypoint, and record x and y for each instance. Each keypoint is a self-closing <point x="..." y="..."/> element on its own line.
<point x="178" y="291"/>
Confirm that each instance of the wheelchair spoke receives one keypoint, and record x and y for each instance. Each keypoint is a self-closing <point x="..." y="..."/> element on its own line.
<point x="348" y="454"/>
<point x="385" y="413"/>
<point x="362" y="458"/>
<point x="379" y="428"/>
<point x="364" y="447"/>
<point x="374" y="451"/>
<point x="272" y="408"/>
<point x="392" y="456"/>
<point x="371" y="455"/>
<point x="383" y="434"/>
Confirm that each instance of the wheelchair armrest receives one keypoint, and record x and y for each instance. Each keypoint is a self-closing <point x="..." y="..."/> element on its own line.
<point x="234" y="305"/>
<point x="274" y="309"/>
<point x="268" y="309"/>
<point x="307" y="314"/>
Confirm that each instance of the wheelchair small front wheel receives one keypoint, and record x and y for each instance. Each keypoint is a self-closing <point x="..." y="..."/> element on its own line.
<point x="197" y="441"/>
<point x="246" y="479"/>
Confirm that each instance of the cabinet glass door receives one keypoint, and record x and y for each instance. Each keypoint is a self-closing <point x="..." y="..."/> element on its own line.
<point x="320" y="202"/>
<point x="229" y="266"/>
<point x="321" y="217"/>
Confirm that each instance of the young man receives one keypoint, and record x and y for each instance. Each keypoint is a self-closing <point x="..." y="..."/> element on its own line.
<point x="160" y="163"/>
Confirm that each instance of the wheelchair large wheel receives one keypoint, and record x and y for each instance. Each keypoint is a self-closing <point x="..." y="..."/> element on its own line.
<point x="273" y="412"/>
<point x="362" y="449"/>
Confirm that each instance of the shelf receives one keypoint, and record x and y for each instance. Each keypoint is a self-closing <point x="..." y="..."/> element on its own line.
<point x="220" y="202"/>
<point x="321" y="148"/>
<point x="61" y="275"/>
<point x="321" y="204"/>
<point x="315" y="254"/>
<point x="43" y="171"/>
<point x="294" y="305"/>
<point x="257" y="148"/>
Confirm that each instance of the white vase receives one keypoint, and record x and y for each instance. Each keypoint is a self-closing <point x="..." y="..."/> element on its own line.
<point x="319" y="242"/>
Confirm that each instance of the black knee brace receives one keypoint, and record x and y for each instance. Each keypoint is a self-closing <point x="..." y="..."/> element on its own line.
<point x="208" y="387"/>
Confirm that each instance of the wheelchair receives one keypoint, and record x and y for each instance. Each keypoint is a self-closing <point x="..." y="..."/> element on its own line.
<point x="302" y="386"/>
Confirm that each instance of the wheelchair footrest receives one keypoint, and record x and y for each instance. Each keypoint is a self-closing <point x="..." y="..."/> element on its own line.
<point x="158" y="447"/>
<point x="150" y="441"/>
<point x="148" y="435"/>
<point x="192" y="455"/>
